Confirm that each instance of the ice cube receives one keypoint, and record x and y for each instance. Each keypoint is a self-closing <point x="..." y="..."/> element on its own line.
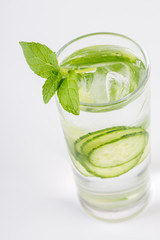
<point x="117" y="86"/>
<point x="98" y="87"/>
<point x="108" y="83"/>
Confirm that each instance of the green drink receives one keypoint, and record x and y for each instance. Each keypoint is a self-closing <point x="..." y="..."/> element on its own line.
<point x="109" y="141"/>
<point x="103" y="99"/>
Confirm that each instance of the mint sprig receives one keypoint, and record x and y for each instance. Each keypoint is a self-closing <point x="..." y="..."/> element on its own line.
<point x="44" y="63"/>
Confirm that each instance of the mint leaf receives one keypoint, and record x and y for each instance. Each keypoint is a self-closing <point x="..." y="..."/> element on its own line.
<point x="40" y="58"/>
<point x="68" y="93"/>
<point x="50" y="87"/>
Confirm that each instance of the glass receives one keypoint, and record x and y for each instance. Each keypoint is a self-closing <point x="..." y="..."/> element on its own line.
<point x="120" y="196"/>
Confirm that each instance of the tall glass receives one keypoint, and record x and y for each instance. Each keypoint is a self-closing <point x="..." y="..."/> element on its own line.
<point x="115" y="197"/>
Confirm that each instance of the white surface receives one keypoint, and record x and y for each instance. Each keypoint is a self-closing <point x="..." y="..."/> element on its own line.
<point x="37" y="192"/>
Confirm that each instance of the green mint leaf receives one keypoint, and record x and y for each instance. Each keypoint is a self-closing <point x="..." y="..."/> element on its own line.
<point x="40" y="58"/>
<point x="50" y="87"/>
<point x="68" y="93"/>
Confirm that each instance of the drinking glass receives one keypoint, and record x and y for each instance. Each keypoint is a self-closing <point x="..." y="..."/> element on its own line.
<point x="118" y="197"/>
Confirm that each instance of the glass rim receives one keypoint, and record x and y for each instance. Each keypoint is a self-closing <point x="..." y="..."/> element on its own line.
<point x="130" y="96"/>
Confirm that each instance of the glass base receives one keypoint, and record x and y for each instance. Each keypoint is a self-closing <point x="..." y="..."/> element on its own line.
<point x="118" y="198"/>
<point x="116" y="215"/>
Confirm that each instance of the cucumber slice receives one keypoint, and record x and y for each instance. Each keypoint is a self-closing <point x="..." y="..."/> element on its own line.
<point x="118" y="152"/>
<point x="111" y="172"/>
<point x="90" y="135"/>
<point x="98" y="54"/>
<point x="81" y="168"/>
<point x="105" y="137"/>
<point x="145" y="153"/>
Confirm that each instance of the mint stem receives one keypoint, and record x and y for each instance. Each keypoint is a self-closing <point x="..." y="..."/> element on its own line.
<point x="65" y="71"/>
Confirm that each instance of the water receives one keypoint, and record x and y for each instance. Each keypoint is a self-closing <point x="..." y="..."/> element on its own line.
<point x="107" y="74"/>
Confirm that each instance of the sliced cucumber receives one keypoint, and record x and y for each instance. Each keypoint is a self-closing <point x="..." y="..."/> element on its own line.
<point x="145" y="153"/>
<point x="97" y="55"/>
<point x="108" y="136"/>
<point x="118" y="152"/>
<point x="110" y="152"/>
<point x="81" y="168"/>
<point x="90" y="135"/>
<point x="111" y="172"/>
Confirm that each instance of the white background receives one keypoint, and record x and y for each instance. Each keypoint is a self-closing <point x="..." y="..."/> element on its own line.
<point x="37" y="193"/>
